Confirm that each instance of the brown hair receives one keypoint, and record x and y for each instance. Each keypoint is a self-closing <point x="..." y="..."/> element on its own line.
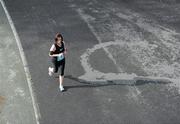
<point x="55" y="40"/>
<point x="59" y="35"/>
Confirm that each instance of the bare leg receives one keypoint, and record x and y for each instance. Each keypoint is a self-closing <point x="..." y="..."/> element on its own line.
<point x="61" y="78"/>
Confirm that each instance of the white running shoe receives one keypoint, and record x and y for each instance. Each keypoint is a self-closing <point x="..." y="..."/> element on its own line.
<point x="50" y="71"/>
<point x="61" y="88"/>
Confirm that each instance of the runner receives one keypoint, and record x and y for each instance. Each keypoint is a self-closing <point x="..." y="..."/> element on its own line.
<point x="57" y="52"/>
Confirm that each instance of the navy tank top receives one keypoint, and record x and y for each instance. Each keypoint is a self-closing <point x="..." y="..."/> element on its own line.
<point x="59" y="49"/>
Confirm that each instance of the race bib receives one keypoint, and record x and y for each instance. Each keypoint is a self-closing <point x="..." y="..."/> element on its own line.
<point x="60" y="57"/>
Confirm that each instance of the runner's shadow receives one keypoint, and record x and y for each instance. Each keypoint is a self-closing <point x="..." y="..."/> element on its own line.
<point x="135" y="82"/>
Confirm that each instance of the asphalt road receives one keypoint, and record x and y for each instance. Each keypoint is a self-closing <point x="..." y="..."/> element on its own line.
<point x="126" y="75"/>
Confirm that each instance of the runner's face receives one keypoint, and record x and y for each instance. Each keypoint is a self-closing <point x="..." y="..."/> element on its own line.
<point x="59" y="39"/>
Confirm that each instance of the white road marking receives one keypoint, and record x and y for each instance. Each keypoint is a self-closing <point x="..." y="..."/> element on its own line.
<point x="25" y="65"/>
<point x="80" y="12"/>
<point x="83" y="16"/>
<point x="94" y="75"/>
<point x="166" y="41"/>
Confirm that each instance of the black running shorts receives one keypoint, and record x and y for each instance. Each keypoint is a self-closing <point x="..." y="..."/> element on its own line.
<point x="58" y="65"/>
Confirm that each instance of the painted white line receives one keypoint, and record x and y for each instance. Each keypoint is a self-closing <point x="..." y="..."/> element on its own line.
<point x="80" y="12"/>
<point x="26" y="69"/>
<point x="82" y="15"/>
<point x="94" y="75"/>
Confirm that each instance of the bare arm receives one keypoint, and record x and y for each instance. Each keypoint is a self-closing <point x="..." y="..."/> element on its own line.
<point x="52" y="49"/>
<point x="54" y="55"/>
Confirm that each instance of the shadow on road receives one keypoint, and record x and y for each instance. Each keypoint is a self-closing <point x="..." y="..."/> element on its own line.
<point x="135" y="82"/>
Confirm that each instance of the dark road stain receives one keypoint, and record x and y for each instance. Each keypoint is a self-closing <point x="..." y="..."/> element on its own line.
<point x="2" y="101"/>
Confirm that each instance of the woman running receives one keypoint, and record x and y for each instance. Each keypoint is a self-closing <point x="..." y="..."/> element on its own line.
<point x="57" y="52"/>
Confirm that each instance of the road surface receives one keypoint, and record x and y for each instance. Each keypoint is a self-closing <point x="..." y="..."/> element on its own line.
<point x="123" y="63"/>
